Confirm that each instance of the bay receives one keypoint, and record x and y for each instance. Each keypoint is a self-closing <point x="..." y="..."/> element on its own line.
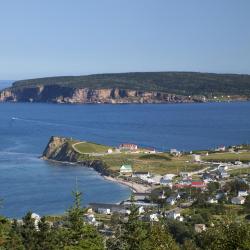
<point x="29" y="183"/>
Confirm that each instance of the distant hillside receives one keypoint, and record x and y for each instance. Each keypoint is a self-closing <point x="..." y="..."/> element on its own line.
<point x="148" y="87"/>
<point x="182" y="83"/>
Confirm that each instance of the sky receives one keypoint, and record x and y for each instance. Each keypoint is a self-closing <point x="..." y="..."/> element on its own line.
<point x="40" y="38"/>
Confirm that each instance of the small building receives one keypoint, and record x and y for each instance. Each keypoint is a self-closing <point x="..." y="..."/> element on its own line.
<point x="174" y="214"/>
<point x="243" y="193"/>
<point x="126" y="170"/>
<point x="128" y="146"/>
<point x="175" y="152"/>
<point x="185" y="175"/>
<point x="220" y="149"/>
<point x="224" y="175"/>
<point x="199" y="228"/>
<point x="110" y="151"/>
<point x="239" y="200"/>
<point x="198" y="184"/>
<point x="103" y="208"/>
<point x="141" y="175"/>
<point x="212" y="201"/>
<point x="196" y="158"/>
<point x="141" y="196"/>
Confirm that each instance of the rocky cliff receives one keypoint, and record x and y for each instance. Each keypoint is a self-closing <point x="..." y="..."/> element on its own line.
<point x="62" y="94"/>
<point x="60" y="149"/>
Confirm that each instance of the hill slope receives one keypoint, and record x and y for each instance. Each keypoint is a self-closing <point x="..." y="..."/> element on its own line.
<point x="148" y="87"/>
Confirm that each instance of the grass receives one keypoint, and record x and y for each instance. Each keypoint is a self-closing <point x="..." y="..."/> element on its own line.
<point x="163" y="164"/>
<point x="89" y="147"/>
<point x="228" y="157"/>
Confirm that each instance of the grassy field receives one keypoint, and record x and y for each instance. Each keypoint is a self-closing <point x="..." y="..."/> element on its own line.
<point x="159" y="164"/>
<point x="228" y="157"/>
<point x="89" y="147"/>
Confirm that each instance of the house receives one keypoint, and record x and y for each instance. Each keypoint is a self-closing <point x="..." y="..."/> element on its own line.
<point x="243" y="193"/>
<point x="239" y="200"/>
<point x="141" y="175"/>
<point x="175" y="152"/>
<point x="103" y="208"/>
<point x="185" y="175"/>
<point x="141" y="196"/>
<point x="128" y="146"/>
<point x="212" y="200"/>
<point x="220" y="149"/>
<point x="155" y="179"/>
<point x="168" y="176"/>
<point x="149" y="151"/>
<point x="174" y="214"/>
<point x="126" y="170"/>
<point x="196" y="158"/>
<point x="198" y="184"/>
<point x="224" y="175"/>
<point x="110" y="151"/>
<point x="199" y="228"/>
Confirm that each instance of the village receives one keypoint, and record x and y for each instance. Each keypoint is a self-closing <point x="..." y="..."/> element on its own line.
<point x="216" y="185"/>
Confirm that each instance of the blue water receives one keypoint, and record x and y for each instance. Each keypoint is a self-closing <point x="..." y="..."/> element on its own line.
<point x="28" y="183"/>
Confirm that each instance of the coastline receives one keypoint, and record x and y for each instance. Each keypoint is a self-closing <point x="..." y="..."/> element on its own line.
<point x="135" y="187"/>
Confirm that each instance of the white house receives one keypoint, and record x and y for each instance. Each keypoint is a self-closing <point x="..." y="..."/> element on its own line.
<point x="238" y="200"/>
<point x="212" y="201"/>
<point x="126" y="170"/>
<point x="243" y="193"/>
<point x="175" y="152"/>
<point x="110" y="151"/>
<point x="128" y="146"/>
<point x="196" y="158"/>
<point x="174" y="214"/>
<point x="220" y="149"/>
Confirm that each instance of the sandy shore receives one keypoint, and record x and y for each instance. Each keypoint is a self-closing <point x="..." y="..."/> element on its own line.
<point x="136" y="188"/>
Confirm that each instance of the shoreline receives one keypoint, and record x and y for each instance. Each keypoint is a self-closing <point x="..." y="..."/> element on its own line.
<point x="135" y="187"/>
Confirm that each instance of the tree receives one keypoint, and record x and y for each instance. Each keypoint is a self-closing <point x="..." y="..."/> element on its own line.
<point x="159" y="238"/>
<point x="28" y="232"/>
<point x="78" y="235"/>
<point x="227" y="234"/>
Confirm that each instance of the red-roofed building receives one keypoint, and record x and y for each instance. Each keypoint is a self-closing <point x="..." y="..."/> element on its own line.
<point x="128" y="146"/>
<point x="198" y="184"/>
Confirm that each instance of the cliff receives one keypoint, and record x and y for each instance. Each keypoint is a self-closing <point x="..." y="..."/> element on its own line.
<point x="144" y="87"/>
<point x="60" y="149"/>
<point x="61" y="94"/>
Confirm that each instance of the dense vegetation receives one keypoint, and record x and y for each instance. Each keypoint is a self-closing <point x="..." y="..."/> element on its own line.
<point x="183" y="83"/>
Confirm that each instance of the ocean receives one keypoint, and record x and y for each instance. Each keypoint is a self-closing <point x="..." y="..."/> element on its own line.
<point x="28" y="183"/>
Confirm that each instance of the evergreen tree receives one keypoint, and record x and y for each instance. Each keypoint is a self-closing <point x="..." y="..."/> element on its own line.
<point x="158" y="238"/>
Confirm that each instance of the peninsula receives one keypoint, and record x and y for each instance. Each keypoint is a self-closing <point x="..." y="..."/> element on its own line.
<point x="143" y="168"/>
<point x="140" y="87"/>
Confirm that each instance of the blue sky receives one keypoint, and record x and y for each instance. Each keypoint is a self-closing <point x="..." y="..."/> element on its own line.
<point x="72" y="37"/>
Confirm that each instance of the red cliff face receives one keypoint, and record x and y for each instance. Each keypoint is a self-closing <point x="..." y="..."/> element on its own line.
<point x="61" y="94"/>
